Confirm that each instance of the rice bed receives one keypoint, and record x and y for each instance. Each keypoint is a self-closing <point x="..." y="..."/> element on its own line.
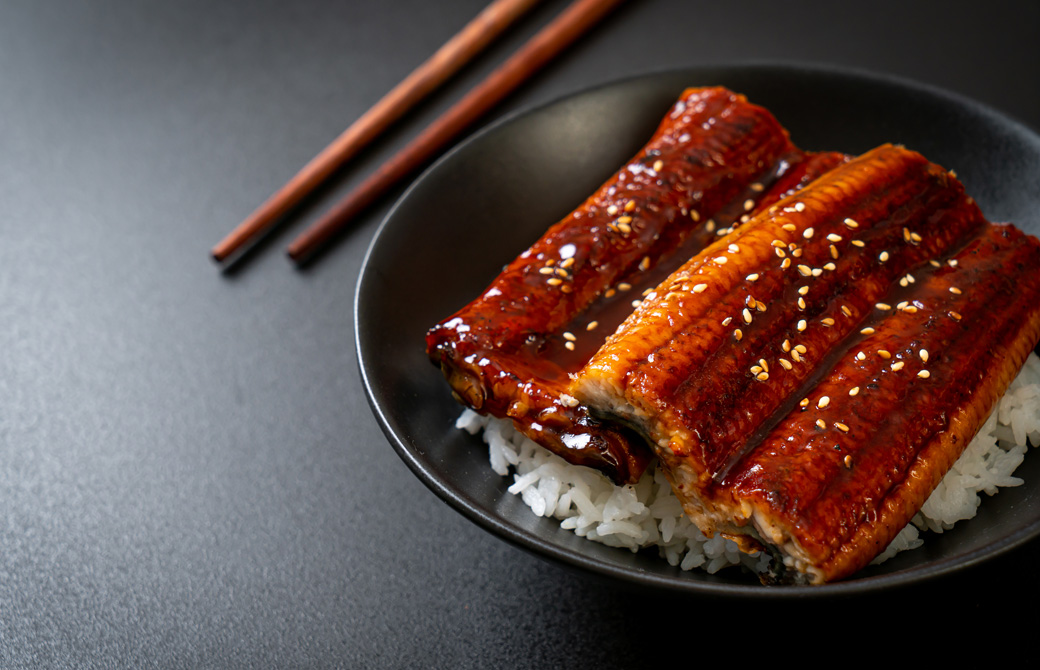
<point x="647" y="514"/>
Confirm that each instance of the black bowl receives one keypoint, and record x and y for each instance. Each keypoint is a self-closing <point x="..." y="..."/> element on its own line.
<point x="491" y="197"/>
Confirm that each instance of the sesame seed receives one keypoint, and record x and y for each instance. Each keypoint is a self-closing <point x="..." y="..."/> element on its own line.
<point x="954" y="290"/>
<point x="903" y="282"/>
<point x="760" y="306"/>
<point x="935" y="264"/>
<point x="801" y="325"/>
<point x="764" y="364"/>
<point x="804" y="402"/>
<point x="804" y="270"/>
<point x="727" y="320"/>
<point x="625" y="228"/>
<point x="545" y="271"/>
<point x="802" y="290"/>
<point x="569" y="345"/>
<point x="808" y="233"/>
<point x="915" y="237"/>
<point x="906" y="234"/>
<point x="695" y="215"/>
<point x="737" y="334"/>
<point x="797" y="253"/>
<point x="854" y="390"/>
<point x="827" y="321"/>
<point x="750" y="301"/>
<point x="786" y="346"/>
<point x="592" y="325"/>
<point x="637" y="303"/>
<point x="630" y="205"/>
<point x="786" y="363"/>
<point x="801" y="303"/>
<point x="612" y="210"/>
<point x="859" y="243"/>
<point x="867" y="331"/>
<point x="749" y="205"/>
<point x="883" y="305"/>
<point x="789" y="227"/>
<point x="956" y="316"/>
<point x="902" y="305"/>
<point x="851" y="223"/>
<point x="952" y="262"/>
<point x="820" y="423"/>
<point x="644" y="264"/>
<point x="721" y="260"/>
<point x="898" y="365"/>
<point x="911" y="310"/>
<point x="757" y="187"/>
<point x="609" y="293"/>
<point x="733" y="249"/>
<point x="780" y="252"/>
<point x="884" y="353"/>
<point x="569" y="336"/>
<point x="834" y="252"/>
<point x="840" y="426"/>
<point x="800" y="348"/>
<point x="861" y="356"/>
<point x="883" y="256"/>
<point x="658" y="165"/>
<point x="924" y="374"/>
<point x="752" y="277"/>
<point x="786" y="263"/>
<point x="762" y="376"/>
<point x="796" y="356"/>
<point x="830" y="267"/>
<point x="624" y="286"/>
<point x="910" y="278"/>
<point x="755" y="369"/>
<point x="816" y="272"/>
<point x="624" y="219"/>
<point x="554" y="281"/>
<point x="846" y="311"/>
<point x="778" y="243"/>
<point x="799" y="206"/>
<point x="848" y="461"/>
<point x="699" y="288"/>
<point x="834" y="238"/>
<point x="924" y="355"/>
<point x="567" y="262"/>
<point x="710" y="225"/>
<point x="747" y="315"/>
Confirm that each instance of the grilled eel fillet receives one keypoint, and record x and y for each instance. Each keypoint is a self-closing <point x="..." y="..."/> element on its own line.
<point x="808" y="379"/>
<point x="714" y="161"/>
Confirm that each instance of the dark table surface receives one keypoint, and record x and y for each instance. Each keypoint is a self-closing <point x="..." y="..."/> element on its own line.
<point x="190" y="472"/>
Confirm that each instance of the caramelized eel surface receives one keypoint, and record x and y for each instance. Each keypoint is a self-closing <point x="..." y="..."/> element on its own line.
<point x="808" y="379"/>
<point x="714" y="162"/>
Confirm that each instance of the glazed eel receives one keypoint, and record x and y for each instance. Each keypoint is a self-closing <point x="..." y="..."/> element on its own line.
<point x="714" y="161"/>
<point x="808" y="379"/>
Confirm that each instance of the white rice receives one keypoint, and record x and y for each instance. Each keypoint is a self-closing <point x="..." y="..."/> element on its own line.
<point x="647" y="514"/>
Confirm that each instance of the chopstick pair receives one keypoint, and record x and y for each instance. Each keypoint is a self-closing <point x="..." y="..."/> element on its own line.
<point x="539" y="50"/>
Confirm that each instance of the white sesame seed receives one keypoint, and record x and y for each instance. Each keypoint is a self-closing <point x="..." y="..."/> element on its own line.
<point x="821" y="423"/>
<point x="592" y="325"/>
<point x="823" y="402"/>
<point x="721" y="260"/>
<point x="699" y="288"/>
<point x="816" y="272"/>
<point x="786" y="364"/>
<point x="733" y="249"/>
<point x="924" y="374"/>
<point x="802" y="290"/>
<point x="658" y="166"/>
<point x="727" y="320"/>
<point x="834" y="238"/>
<point x="884" y="306"/>
<point x="738" y="334"/>
<point x="830" y="267"/>
<point x="612" y="210"/>
<point x="884" y="353"/>
<point x="749" y="205"/>
<point x="827" y="321"/>
<point x="898" y="365"/>
<point x="799" y="206"/>
<point x="569" y="345"/>
<point x="859" y="243"/>
<point x="800" y="348"/>
<point x="695" y="215"/>
<point x="854" y="390"/>
<point x="644" y="264"/>
<point x="624" y="219"/>
<point x="840" y="426"/>
<point x="569" y="336"/>
<point x="861" y="356"/>
<point x="808" y="233"/>
<point x="752" y="277"/>
<point x="867" y="331"/>
<point x="804" y="270"/>
<point x="924" y="355"/>
<point x="762" y="376"/>
<point x="789" y="227"/>
<point x="883" y="256"/>
<point x="747" y="315"/>
<point x="801" y="325"/>
<point x="954" y="290"/>
<point x="851" y="223"/>
<point x="630" y="205"/>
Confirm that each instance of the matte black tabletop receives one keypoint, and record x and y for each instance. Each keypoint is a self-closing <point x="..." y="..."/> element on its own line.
<point x="190" y="475"/>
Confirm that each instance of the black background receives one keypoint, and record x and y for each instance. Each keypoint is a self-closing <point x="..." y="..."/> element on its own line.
<point x="190" y="474"/>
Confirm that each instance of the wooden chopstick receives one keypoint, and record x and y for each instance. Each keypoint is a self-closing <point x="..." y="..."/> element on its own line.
<point x="539" y="50"/>
<point x="461" y="48"/>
